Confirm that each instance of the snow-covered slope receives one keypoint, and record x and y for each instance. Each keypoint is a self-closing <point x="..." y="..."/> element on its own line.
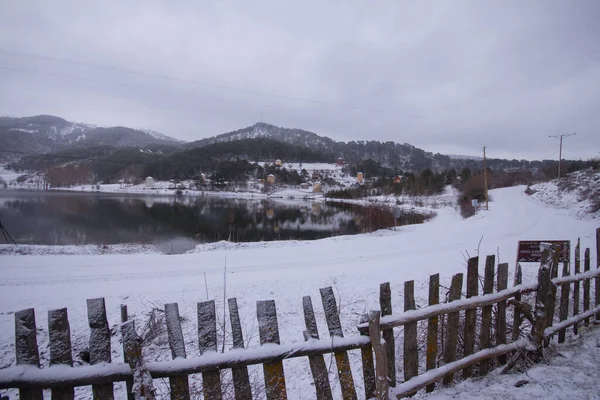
<point x="46" y="133"/>
<point x="354" y="266"/>
<point x="579" y="192"/>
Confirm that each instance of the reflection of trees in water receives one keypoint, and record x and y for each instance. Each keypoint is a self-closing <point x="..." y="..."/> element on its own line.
<point x="89" y="219"/>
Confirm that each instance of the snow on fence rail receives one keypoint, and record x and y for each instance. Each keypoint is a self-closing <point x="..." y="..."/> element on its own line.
<point x="445" y="353"/>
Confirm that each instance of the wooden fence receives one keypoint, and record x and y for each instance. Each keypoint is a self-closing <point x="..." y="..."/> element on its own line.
<point x="468" y="335"/>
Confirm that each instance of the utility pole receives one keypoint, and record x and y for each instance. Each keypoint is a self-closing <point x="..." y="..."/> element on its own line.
<point x="564" y="135"/>
<point x="485" y="179"/>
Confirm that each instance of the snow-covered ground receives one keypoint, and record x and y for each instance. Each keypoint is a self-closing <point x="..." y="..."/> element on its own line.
<point x="577" y="192"/>
<point x="353" y="265"/>
<point x="571" y="373"/>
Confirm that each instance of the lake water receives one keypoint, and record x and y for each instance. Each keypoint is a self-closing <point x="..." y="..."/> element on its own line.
<point x="177" y="224"/>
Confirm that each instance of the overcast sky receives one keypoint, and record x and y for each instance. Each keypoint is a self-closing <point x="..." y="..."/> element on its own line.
<point x="446" y="76"/>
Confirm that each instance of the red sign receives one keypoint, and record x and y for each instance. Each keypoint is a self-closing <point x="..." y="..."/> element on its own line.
<point x="529" y="250"/>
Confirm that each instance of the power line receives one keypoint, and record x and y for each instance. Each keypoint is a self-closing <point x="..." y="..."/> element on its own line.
<point x="564" y="135"/>
<point x="226" y="87"/>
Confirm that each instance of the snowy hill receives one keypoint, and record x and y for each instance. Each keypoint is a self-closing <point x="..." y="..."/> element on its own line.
<point x="579" y="192"/>
<point x="43" y="134"/>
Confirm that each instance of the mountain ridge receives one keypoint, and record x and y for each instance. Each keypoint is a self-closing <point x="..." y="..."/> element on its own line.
<point x="47" y="134"/>
<point x="42" y="134"/>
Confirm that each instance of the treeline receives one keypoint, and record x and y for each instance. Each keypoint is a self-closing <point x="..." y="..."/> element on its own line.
<point x="221" y="161"/>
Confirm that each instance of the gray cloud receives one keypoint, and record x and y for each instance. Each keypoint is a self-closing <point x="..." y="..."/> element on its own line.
<point x="445" y="76"/>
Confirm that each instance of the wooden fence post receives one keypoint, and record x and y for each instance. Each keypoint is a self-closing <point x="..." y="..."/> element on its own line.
<point x="385" y="303"/>
<point x="180" y="388"/>
<point x="411" y="348"/>
<point x="381" y="380"/>
<point x="551" y="309"/>
<point x="453" y="320"/>
<point x="516" y="313"/>
<point x="576" y="285"/>
<point x="269" y="333"/>
<point x="341" y="357"/>
<point x="60" y="348"/>
<point x="366" y="354"/>
<point x="471" y="315"/>
<point x="597" y="280"/>
<point x="586" y="285"/>
<point x="501" y="284"/>
<point x="128" y="382"/>
<point x="241" y="380"/>
<point x="26" y="348"/>
<point x="432" y="327"/>
<point x="318" y="367"/>
<point x="563" y="312"/>
<point x="99" y="343"/>
<point x="543" y="293"/>
<point x="132" y="351"/>
<point x="207" y="339"/>
<point x="485" y="337"/>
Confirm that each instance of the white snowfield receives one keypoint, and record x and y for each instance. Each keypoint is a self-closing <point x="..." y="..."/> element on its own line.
<point x="353" y="265"/>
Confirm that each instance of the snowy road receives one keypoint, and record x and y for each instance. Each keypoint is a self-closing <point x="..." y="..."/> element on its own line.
<point x="285" y="272"/>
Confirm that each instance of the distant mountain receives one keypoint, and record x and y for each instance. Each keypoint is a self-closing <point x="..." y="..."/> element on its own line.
<point x="402" y="156"/>
<point x="268" y="131"/>
<point x="43" y="134"/>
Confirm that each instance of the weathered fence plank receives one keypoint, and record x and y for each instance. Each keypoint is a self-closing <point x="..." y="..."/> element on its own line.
<point x="128" y="382"/>
<point x="132" y="351"/>
<point x="597" y="280"/>
<point x="552" y="298"/>
<point x="269" y="333"/>
<point x="335" y="329"/>
<point x="385" y="303"/>
<point x="453" y="320"/>
<point x="411" y="347"/>
<point x="241" y="380"/>
<point x="543" y="294"/>
<point x="381" y="380"/>
<point x="99" y="343"/>
<point x="432" y="327"/>
<point x="60" y="348"/>
<point x="576" y="284"/>
<point x="207" y="339"/>
<point x="501" y="284"/>
<point x="586" y="285"/>
<point x="517" y="318"/>
<point x="471" y="315"/>
<point x="26" y="348"/>
<point x="563" y="313"/>
<point x="485" y="337"/>
<point x="368" y="366"/>
<point x="180" y="388"/>
<point x="318" y="367"/>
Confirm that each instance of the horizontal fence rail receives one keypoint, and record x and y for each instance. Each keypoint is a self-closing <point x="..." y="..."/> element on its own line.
<point x="60" y="376"/>
<point x="394" y="321"/>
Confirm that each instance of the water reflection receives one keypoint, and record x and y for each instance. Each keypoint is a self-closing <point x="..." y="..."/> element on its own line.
<point x="176" y="223"/>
